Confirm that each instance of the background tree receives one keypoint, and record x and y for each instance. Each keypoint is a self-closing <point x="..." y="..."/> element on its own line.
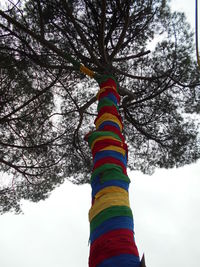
<point x="47" y="106"/>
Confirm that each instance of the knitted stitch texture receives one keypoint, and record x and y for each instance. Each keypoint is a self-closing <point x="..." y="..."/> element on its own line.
<point x="111" y="220"/>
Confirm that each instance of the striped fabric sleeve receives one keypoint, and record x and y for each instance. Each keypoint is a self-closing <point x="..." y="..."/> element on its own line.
<point x="112" y="240"/>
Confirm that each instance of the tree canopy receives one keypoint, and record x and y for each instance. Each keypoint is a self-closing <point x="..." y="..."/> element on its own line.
<point x="47" y="105"/>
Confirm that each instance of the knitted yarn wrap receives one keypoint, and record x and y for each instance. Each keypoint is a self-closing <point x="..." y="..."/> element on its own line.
<point x="111" y="221"/>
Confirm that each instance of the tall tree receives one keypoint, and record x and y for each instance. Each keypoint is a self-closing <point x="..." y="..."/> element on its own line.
<point x="47" y="105"/>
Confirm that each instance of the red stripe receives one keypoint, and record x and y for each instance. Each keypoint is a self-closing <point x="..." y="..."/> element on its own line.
<point x="111" y="160"/>
<point x="108" y="82"/>
<point x="108" y="109"/>
<point x="108" y="128"/>
<point x="111" y="244"/>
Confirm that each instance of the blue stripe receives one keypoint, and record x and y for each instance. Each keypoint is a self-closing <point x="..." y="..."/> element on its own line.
<point x="121" y="222"/>
<point x="108" y="123"/>
<point x="123" y="260"/>
<point x="96" y="180"/>
<point x="112" y="97"/>
<point x="96" y="187"/>
<point x="110" y="153"/>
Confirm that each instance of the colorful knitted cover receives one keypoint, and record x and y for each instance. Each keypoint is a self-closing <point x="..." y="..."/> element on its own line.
<point x="111" y="219"/>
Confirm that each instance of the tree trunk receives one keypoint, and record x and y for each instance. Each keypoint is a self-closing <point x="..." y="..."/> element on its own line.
<point x="111" y="220"/>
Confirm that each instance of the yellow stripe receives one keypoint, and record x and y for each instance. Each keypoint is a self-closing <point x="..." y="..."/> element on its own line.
<point x="87" y="71"/>
<point x="103" y="138"/>
<point x="115" y="148"/>
<point x="108" y="200"/>
<point x="110" y="189"/>
<point x="108" y="117"/>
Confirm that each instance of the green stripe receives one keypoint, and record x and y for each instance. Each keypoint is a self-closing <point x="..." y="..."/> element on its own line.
<point x="106" y="103"/>
<point x="104" y="215"/>
<point x="94" y="135"/>
<point x="105" y="167"/>
<point x="114" y="174"/>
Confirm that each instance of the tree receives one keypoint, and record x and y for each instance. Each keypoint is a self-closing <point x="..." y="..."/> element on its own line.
<point x="47" y="106"/>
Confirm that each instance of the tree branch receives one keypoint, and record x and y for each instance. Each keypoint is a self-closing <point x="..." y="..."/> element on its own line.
<point x="122" y="36"/>
<point x="17" y="168"/>
<point x="134" y="76"/>
<point x="38" y="38"/>
<point x="36" y="59"/>
<point x="143" y="53"/>
<point x="41" y="18"/>
<point x="88" y="104"/>
<point x="3" y="119"/>
<point x="140" y="129"/>
<point x="80" y="33"/>
<point x="102" y="32"/>
<point x="83" y="58"/>
<point x="114" y="21"/>
<point x="192" y="85"/>
<point x="166" y="87"/>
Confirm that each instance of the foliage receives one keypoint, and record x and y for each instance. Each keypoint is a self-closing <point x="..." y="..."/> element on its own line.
<point x="47" y="106"/>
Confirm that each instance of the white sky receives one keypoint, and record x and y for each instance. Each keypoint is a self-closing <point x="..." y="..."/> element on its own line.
<point x="54" y="233"/>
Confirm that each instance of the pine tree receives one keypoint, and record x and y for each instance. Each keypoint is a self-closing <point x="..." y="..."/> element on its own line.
<point x="47" y="105"/>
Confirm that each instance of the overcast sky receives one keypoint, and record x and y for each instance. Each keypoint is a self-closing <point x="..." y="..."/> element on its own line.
<point x="166" y="207"/>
